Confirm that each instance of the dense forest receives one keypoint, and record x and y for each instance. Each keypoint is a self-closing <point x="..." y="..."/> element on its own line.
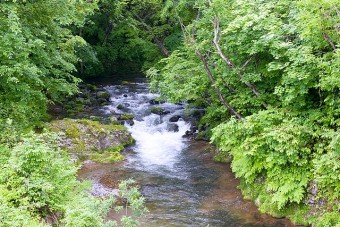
<point x="266" y="72"/>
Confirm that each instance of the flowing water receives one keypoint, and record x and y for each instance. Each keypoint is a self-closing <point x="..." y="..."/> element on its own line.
<point x="181" y="183"/>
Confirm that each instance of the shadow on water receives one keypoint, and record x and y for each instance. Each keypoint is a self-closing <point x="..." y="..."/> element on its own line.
<point x="181" y="183"/>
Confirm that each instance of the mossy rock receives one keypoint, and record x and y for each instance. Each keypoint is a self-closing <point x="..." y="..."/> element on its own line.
<point x="114" y="120"/>
<point x="126" y="117"/>
<point x="91" y="137"/>
<point x="91" y="87"/>
<point x="120" y="107"/>
<point x="103" y="95"/>
<point x="157" y="110"/>
<point x="124" y="82"/>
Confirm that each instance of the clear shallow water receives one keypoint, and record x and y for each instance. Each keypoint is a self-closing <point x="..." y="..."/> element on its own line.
<point x="181" y="184"/>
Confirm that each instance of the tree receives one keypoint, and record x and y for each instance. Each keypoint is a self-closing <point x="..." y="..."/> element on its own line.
<point x="275" y="63"/>
<point x="131" y="36"/>
<point x="37" y="55"/>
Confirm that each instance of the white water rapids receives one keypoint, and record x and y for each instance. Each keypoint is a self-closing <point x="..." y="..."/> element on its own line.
<point x="158" y="141"/>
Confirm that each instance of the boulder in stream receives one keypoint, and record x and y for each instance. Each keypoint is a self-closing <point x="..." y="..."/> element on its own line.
<point x="174" y="118"/>
<point x="155" y="102"/>
<point x="159" y="111"/>
<point x="92" y="140"/>
<point x="103" y="95"/>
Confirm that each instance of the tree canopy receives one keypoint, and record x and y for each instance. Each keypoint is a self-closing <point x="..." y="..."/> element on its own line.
<point x="268" y="74"/>
<point x="37" y="55"/>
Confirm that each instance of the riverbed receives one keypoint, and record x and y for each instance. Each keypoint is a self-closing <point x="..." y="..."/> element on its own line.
<point x="181" y="183"/>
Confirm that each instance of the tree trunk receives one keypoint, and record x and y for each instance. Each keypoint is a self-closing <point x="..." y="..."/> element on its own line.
<point x="207" y="70"/>
<point x="161" y="46"/>
<point x="211" y="78"/>
<point x="159" y="43"/>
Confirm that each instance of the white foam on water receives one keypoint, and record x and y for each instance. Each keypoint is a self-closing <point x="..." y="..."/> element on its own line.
<point x="155" y="145"/>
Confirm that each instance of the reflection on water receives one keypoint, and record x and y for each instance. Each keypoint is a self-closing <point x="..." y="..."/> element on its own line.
<point x="181" y="184"/>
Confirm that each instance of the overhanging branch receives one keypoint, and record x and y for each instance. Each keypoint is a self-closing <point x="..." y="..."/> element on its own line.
<point x="229" y="63"/>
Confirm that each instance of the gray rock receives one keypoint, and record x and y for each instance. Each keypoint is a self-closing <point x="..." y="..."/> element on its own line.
<point x="174" y="118"/>
<point x="172" y="128"/>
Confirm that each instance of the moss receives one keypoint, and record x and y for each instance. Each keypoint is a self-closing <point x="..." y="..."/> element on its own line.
<point x="94" y="124"/>
<point x="126" y="117"/>
<point x="130" y="141"/>
<point x="79" y="108"/>
<point x="202" y="135"/>
<point x="98" y="127"/>
<point x="222" y="157"/>
<point x="79" y="146"/>
<point x="115" y="149"/>
<point x="114" y="120"/>
<point x="117" y="127"/>
<point x="91" y="87"/>
<point x="107" y="157"/>
<point x="120" y="107"/>
<point x="298" y="215"/>
<point x="99" y="141"/>
<point x="124" y="82"/>
<point x="103" y="94"/>
<point x="72" y="131"/>
<point x="156" y="109"/>
<point x="96" y="118"/>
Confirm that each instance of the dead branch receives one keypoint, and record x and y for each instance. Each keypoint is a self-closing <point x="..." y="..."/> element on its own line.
<point x="159" y="43"/>
<point x="229" y="63"/>
<point x="206" y="68"/>
<point x="329" y="40"/>
<point x="211" y="78"/>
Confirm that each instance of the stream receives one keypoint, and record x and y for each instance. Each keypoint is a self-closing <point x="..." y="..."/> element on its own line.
<point x="180" y="182"/>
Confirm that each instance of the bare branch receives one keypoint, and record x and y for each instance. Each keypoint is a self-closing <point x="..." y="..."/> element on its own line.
<point x="231" y="89"/>
<point x="159" y="43"/>
<point x="227" y="60"/>
<point x="337" y="11"/>
<point x="216" y="42"/>
<point x="184" y="30"/>
<point x="329" y="40"/>
<point x="194" y="28"/>
<point x="246" y="63"/>
<point x="222" y="99"/>
<point x="207" y="70"/>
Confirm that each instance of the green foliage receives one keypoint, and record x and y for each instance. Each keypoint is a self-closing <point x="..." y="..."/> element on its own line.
<point x="272" y="146"/>
<point x="121" y="34"/>
<point x="177" y="75"/>
<point x="131" y="36"/>
<point x="37" y="55"/>
<point x="38" y="183"/>
<point x="134" y="202"/>
<point x="84" y="210"/>
<point x="286" y="146"/>
<point x="38" y="180"/>
<point x="126" y="117"/>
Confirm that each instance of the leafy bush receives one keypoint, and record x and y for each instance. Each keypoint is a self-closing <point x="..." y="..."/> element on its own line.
<point x="38" y="182"/>
<point x="134" y="202"/>
<point x="272" y="148"/>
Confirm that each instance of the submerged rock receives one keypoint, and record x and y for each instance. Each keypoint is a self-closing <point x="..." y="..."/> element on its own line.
<point x="172" y="128"/>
